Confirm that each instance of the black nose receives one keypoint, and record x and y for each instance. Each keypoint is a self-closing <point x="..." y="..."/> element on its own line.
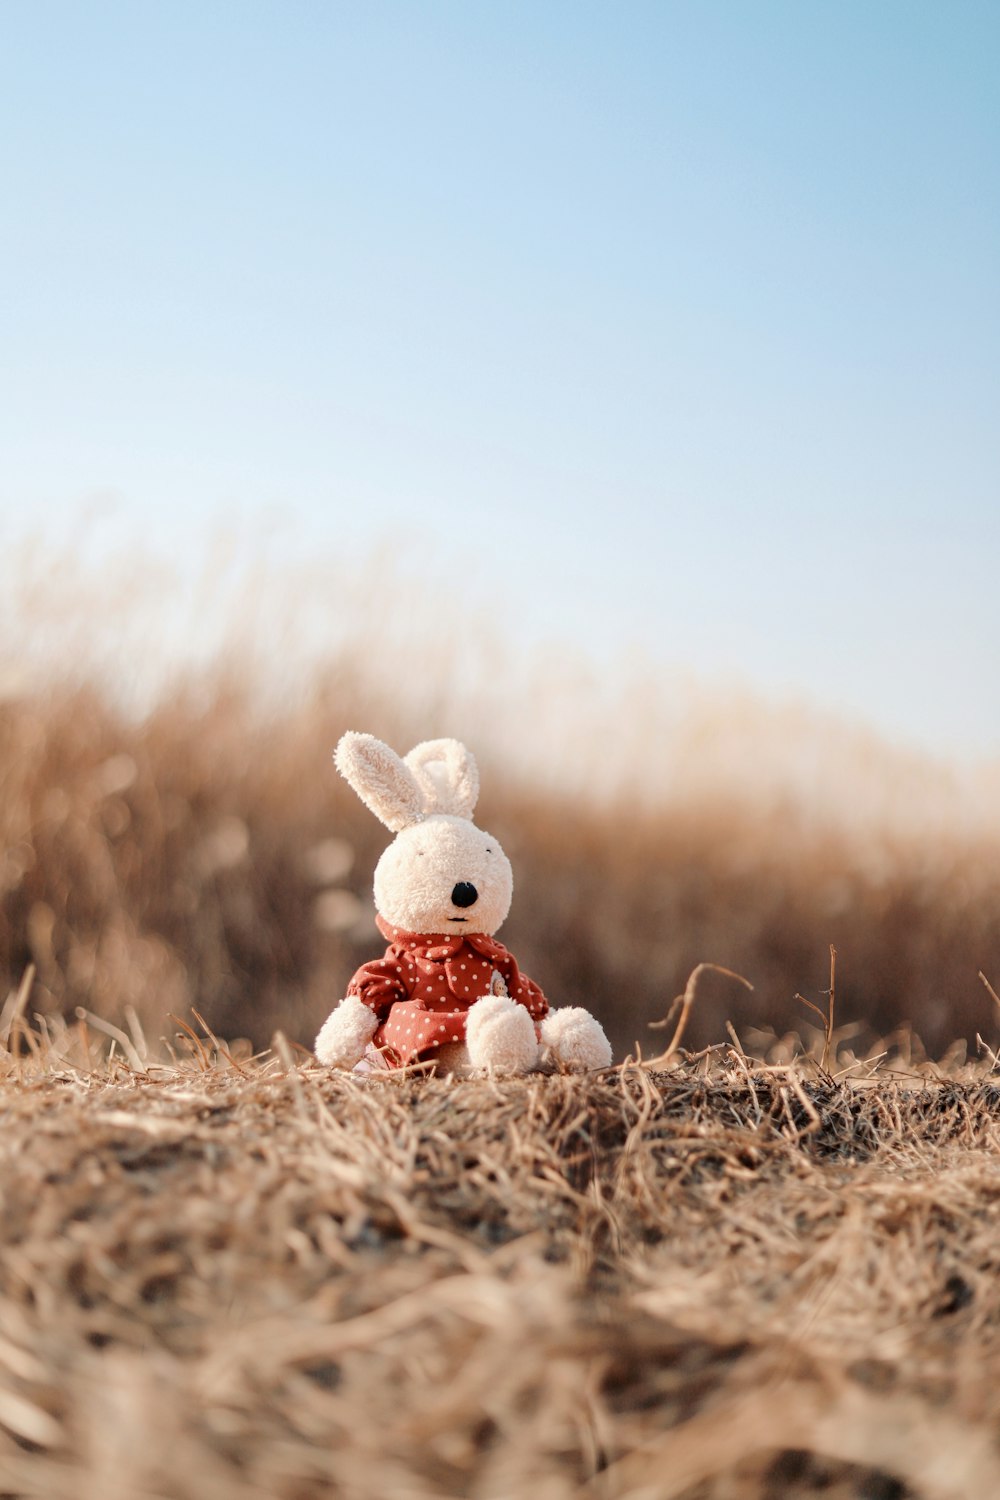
<point x="464" y="894"/>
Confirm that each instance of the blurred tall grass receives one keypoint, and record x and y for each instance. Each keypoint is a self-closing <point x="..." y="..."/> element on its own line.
<point x="173" y="834"/>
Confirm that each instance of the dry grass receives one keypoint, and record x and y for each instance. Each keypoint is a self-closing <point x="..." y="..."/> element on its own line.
<point x="173" y="834"/>
<point x="206" y="855"/>
<point x="768" y="1269"/>
<point x="234" y="1277"/>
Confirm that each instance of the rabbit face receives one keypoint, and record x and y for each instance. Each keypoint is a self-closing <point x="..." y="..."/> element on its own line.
<point x="444" y="875"/>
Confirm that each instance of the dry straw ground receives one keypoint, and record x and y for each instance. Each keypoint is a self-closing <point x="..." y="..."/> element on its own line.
<point x="225" y="1277"/>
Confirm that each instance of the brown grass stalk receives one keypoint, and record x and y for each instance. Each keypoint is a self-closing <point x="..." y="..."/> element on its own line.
<point x="685" y="1002"/>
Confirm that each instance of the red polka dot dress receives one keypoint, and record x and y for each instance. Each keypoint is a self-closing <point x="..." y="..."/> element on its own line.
<point x="423" y="986"/>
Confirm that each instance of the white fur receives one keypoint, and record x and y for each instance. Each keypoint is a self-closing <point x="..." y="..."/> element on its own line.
<point x="346" y="1033"/>
<point x="500" y="1036"/>
<point x="416" y="875"/>
<point x="576" y="1039"/>
<point x="447" y="775"/>
<point x="386" y="786"/>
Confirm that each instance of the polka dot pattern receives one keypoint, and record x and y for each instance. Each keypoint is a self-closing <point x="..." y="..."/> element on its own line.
<point x="425" y="983"/>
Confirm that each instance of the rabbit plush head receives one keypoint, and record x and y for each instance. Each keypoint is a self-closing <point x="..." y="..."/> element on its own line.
<point x="441" y="874"/>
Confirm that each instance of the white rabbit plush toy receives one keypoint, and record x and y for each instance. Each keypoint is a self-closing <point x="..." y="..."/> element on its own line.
<point x="445" y="989"/>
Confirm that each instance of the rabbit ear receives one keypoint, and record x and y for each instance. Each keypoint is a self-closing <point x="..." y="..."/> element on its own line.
<point x="385" y="785"/>
<point x="447" y="775"/>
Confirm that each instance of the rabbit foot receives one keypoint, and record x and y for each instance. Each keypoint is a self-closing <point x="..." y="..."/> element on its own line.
<point x="500" y="1036"/>
<point x="575" y="1039"/>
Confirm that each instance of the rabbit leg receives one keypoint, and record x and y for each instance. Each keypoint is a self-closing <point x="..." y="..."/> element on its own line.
<point x="575" y="1039"/>
<point x="500" y="1036"/>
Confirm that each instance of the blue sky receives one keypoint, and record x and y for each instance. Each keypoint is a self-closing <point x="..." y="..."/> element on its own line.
<point x="668" y="327"/>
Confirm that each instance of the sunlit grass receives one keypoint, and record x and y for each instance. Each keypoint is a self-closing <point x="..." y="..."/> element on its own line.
<point x="174" y="835"/>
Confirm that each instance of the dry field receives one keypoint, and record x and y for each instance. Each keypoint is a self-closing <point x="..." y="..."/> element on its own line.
<point x="173" y="834"/>
<point x="226" y="1276"/>
<point x="766" y="1267"/>
<point x="206" y="855"/>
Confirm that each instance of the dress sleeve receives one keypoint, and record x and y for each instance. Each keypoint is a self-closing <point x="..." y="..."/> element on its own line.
<point x="529" y="994"/>
<point x="379" y="984"/>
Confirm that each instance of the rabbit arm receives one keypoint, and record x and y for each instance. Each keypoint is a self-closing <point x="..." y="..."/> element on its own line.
<point x="371" y="994"/>
<point x="346" y="1033"/>
<point x="379" y="985"/>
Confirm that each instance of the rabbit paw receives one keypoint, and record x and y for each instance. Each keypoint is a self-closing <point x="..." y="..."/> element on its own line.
<point x="346" y="1033"/>
<point x="500" y="1036"/>
<point x="575" y="1039"/>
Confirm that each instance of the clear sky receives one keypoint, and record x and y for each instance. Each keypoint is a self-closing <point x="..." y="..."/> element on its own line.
<point x="667" y="324"/>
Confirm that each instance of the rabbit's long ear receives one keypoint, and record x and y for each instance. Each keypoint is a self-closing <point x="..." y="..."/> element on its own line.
<point x="447" y="775"/>
<point x="381" y="780"/>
